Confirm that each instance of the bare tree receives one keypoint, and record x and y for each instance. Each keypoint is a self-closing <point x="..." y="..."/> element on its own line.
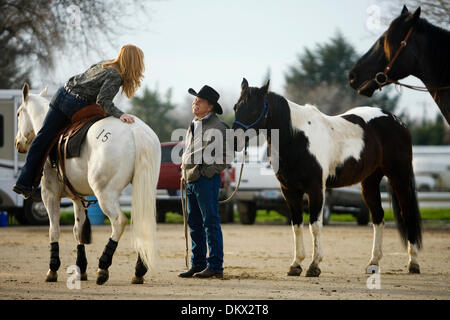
<point x="435" y="11"/>
<point x="33" y="31"/>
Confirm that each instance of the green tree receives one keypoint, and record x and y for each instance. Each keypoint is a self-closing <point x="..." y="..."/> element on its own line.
<point x="155" y="111"/>
<point x="429" y="132"/>
<point x="320" y="78"/>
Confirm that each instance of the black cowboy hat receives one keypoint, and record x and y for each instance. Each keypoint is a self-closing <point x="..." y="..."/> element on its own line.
<point x="209" y="94"/>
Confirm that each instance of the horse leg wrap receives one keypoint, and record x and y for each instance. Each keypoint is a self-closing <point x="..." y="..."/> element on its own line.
<point x="106" y="258"/>
<point x="55" y="263"/>
<point x="141" y="269"/>
<point x="81" y="258"/>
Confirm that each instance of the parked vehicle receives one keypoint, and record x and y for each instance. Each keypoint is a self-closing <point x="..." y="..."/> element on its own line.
<point x="168" y="198"/>
<point x="432" y="168"/>
<point x="260" y="189"/>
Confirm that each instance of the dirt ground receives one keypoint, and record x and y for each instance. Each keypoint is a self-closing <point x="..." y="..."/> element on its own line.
<point x="256" y="261"/>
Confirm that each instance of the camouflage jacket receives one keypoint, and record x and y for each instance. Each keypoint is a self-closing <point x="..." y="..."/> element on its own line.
<point x="98" y="85"/>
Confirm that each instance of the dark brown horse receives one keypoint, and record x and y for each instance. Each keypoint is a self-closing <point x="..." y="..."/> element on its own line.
<point x="317" y="151"/>
<point x="410" y="46"/>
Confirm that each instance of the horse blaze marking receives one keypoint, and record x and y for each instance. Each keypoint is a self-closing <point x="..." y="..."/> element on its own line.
<point x="105" y="136"/>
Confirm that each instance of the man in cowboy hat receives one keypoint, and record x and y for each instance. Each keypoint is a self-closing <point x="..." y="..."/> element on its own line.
<point x="203" y="181"/>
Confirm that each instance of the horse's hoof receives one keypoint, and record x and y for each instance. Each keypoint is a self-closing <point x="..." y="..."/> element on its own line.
<point x="137" y="280"/>
<point x="52" y="276"/>
<point x="313" y="271"/>
<point x="372" y="268"/>
<point x="102" y="276"/>
<point x="413" y="268"/>
<point x="295" y="270"/>
<point x="83" y="276"/>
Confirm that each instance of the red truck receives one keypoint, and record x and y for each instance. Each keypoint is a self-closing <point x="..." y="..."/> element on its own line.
<point x="169" y="200"/>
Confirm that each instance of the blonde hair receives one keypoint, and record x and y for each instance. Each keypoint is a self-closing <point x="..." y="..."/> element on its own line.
<point x="130" y="64"/>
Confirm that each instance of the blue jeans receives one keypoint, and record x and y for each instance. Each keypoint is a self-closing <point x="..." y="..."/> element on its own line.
<point x="62" y="107"/>
<point x="204" y="222"/>
<point x="67" y="103"/>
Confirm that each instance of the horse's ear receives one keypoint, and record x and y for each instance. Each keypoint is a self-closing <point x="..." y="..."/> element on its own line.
<point x="265" y="88"/>
<point x="44" y="92"/>
<point x="416" y="14"/>
<point x="244" y="85"/>
<point x="404" y="10"/>
<point x="414" y="17"/>
<point x="25" y="92"/>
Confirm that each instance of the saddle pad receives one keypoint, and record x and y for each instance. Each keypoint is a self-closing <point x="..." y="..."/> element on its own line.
<point x="75" y="142"/>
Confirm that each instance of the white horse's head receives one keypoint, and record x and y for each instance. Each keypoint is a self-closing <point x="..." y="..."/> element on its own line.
<point x="30" y="117"/>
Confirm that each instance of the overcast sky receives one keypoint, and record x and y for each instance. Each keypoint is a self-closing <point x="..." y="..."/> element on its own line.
<point x="192" y="43"/>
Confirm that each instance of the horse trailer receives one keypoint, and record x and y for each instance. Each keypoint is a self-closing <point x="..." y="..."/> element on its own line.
<point x="25" y="211"/>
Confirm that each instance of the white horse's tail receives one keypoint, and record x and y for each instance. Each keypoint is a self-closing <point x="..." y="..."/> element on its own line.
<point x="145" y="179"/>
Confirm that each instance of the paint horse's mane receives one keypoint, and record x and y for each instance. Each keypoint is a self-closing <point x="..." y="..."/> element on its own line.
<point x="280" y="112"/>
<point x="279" y="108"/>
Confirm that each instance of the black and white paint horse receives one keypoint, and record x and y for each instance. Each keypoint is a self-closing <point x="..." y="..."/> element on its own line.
<point x="425" y="55"/>
<point x="317" y="151"/>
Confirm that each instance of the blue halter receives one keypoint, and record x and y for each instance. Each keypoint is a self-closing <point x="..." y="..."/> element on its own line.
<point x="264" y="113"/>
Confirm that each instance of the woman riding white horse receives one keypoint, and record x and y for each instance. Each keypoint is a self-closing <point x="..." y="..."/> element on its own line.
<point x="113" y="155"/>
<point x="99" y="84"/>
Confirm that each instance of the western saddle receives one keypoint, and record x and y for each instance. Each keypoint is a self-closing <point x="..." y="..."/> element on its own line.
<point x="83" y="117"/>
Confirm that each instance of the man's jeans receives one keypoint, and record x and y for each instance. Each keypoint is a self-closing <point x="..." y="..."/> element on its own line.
<point x="204" y="222"/>
<point x="62" y="107"/>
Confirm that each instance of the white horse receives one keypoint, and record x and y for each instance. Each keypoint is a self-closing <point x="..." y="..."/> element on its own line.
<point x="113" y="155"/>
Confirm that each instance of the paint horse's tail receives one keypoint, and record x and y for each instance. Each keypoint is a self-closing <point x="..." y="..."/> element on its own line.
<point x="407" y="217"/>
<point x="145" y="179"/>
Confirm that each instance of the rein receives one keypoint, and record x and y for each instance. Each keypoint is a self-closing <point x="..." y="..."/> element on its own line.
<point x="381" y="78"/>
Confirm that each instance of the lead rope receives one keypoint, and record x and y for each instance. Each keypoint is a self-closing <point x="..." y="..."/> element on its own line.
<point x="237" y="187"/>
<point x="183" y="194"/>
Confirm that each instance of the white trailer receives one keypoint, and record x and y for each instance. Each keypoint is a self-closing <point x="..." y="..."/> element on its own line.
<point x="25" y="211"/>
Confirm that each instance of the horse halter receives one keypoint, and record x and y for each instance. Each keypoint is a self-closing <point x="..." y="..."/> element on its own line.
<point x="388" y="68"/>
<point x="263" y="114"/>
